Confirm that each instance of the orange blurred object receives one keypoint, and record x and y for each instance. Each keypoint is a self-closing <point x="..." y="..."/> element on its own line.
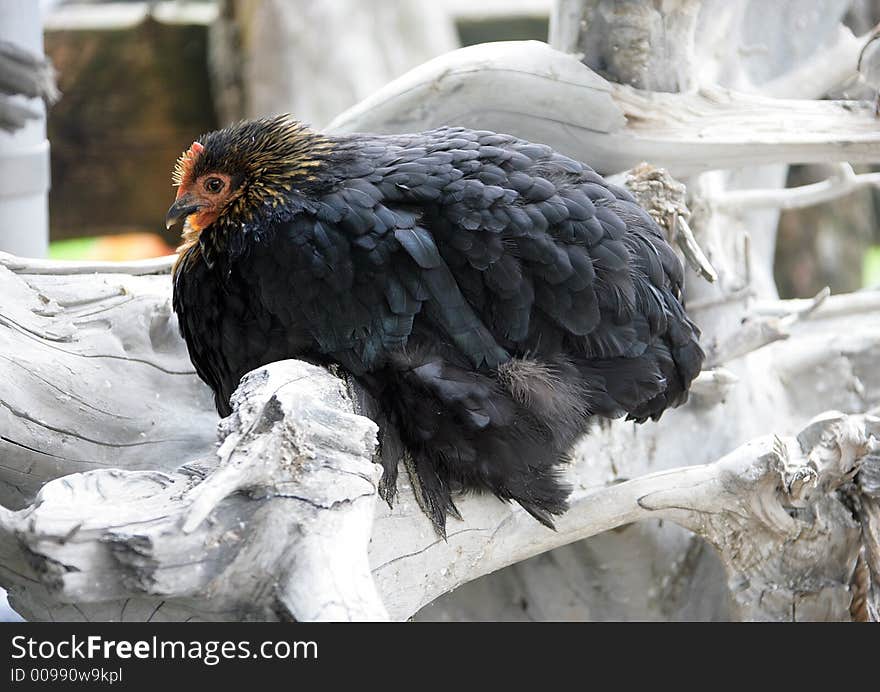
<point x="116" y="248"/>
<point x="130" y="246"/>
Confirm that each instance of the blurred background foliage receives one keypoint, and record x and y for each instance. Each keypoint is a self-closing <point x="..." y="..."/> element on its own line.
<point x="133" y="100"/>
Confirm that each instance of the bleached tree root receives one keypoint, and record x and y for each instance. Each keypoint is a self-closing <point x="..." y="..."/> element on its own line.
<point x="842" y="182"/>
<point x="279" y="527"/>
<point x="275" y="523"/>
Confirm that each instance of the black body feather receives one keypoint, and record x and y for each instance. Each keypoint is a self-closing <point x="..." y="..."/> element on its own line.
<point x="490" y="293"/>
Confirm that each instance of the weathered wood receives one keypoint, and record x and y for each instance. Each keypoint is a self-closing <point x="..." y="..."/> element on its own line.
<point x="294" y="545"/>
<point x="268" y="495"/>
<point x="95" y="375"/>
<point x="652" y="570"/>
<point x="637" y="42"/>
<point x="613" y="126"/>
<point x="272" y="56"/>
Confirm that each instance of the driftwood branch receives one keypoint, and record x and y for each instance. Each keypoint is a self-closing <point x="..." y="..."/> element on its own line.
<point x="611" y="125"/>
<point x="832" y="66"/>
<point x="279" y="517"/>
<point x="36" y="265"/>
<point x="286" y="534"/>
<point x="756" y="331"/>
<point x="845" y="181"/>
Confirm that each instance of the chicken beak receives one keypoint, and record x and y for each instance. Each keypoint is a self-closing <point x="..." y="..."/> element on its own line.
<point x="183" y="206"/>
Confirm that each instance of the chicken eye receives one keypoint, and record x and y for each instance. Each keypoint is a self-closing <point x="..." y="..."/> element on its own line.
<point x="214" y="185"/>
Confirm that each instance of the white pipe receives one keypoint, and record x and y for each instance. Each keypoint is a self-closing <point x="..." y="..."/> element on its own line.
<point x="24" y="155"/>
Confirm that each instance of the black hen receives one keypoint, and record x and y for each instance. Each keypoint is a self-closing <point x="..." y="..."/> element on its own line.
<point x="491" y="294"/>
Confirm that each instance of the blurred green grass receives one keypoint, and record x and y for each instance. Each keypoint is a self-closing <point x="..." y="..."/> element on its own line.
<point x="72" y="249"/>
<point x="871" y="267"/>
<point x="120" y="247"/>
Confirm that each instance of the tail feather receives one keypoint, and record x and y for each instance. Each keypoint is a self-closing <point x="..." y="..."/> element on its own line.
<point x="506" y="431"/>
